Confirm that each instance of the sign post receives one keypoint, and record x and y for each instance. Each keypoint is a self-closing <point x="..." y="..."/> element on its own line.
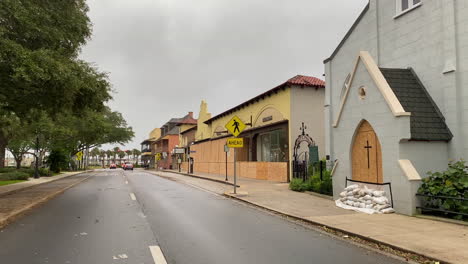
<point x="235" y="126"/>
<point x="226" y="150"/>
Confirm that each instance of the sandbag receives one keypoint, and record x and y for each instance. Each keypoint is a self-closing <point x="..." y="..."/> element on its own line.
<point x="351" y="187"/>
<point x="388" y="210"/>
<point x="378" y="193"/>
<point x="380" y="200"/>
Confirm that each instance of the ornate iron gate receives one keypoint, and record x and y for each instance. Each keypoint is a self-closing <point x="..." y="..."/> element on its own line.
<point x="301" y="161"/>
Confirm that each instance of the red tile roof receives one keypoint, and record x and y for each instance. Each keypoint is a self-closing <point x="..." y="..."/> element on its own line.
<point x="306" y="80"/>
<point x="301" y="80"/>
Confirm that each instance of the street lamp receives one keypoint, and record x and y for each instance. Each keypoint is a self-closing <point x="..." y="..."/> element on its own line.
<point x="36" y="156"/>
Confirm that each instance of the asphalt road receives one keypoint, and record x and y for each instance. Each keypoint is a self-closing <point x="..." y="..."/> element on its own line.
<point x="116" y="216"/>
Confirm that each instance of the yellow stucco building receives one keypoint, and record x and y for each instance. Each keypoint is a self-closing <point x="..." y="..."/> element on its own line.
<point x="274" y="120"/>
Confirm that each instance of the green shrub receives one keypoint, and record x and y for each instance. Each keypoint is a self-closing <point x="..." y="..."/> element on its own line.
<point x="44" y="172"/>
<point x="29" y="171"/>
<point x="453" y="182"/>
<point x="14" y="175"/>
<point x="7" y="169"/>
<point x="299" y="185"/>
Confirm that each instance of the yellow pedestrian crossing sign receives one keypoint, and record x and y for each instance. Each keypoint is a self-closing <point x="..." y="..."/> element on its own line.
<point x="79" y="155"/>
<point x="235" y="126"/>
<point x="235" y="142"/>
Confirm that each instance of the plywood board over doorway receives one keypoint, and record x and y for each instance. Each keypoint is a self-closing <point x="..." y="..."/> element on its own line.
<point x="367" y="155"/>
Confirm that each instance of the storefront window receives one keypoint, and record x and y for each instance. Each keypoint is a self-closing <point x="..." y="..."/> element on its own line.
<point x="272" y="146"/>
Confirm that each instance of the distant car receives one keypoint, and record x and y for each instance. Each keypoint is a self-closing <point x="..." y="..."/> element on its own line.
<point x="113" y="166"/>
<point x="127" y="166"/>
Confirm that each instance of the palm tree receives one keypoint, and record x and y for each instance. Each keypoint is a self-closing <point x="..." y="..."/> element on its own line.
<point x="109" y="154"/>
<point x="102" y="155"/>
<point x="129" y="152"/>
<point x="121" y="156"/>
<point x="95" y="153"/>
<point x="136" y="154"/>
<point x="116" y="151"/>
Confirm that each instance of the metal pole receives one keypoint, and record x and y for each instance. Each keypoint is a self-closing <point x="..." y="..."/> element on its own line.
<point x="36" y="165"/>
<point x="235" y="177"/>
<point x="226" y="165"/>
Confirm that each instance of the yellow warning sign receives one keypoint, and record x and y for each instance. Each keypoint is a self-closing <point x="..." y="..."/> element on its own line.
<point x="158" y="156"/>
<point x="235" y="126"/>
<point x="79" y="155"/>
<point x="235" y="142"/>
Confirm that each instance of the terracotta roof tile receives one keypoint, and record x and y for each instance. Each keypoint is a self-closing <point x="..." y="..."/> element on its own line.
<point x="306" y="80"/>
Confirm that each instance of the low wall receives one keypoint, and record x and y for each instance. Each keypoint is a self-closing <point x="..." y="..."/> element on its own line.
<point x="270" y="171"/>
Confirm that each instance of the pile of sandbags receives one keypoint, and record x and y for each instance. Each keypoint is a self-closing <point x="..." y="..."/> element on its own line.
<point x="364" y="200"/>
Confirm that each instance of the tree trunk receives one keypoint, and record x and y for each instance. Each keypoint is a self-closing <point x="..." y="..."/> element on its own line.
<point x="18" y="162"/>
<point x="3" y="145"/>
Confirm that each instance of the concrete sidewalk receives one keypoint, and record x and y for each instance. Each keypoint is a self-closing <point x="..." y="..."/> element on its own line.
<point x="14" y="202"/>
<point x="437" y="240"/>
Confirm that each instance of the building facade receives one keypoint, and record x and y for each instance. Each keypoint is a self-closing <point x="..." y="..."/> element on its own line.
<point x="164" y="148"/>
<point x="396" y="95"/>
<point x="274" y="120"/>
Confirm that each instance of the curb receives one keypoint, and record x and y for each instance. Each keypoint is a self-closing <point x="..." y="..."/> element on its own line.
<point x="201" y="177"/>
<point x="27" y="187"/>
<point x="20" y="212"/>
<point x="334" y="229"/>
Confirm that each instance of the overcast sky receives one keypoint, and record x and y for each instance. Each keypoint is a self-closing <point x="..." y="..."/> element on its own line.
<point x="165" y="56"/>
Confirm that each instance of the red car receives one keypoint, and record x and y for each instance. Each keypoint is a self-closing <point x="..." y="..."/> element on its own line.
<point x="113" y="166"/>
<point x="127" y="166"/>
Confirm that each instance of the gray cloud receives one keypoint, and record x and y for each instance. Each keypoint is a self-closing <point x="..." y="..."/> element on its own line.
<point x="165" y="56"/>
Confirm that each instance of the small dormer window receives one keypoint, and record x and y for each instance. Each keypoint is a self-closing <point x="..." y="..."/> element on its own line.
<point x="403" y="6"/>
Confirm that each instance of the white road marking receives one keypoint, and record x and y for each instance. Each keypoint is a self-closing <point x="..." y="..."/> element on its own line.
<point x="157" y="254"/>
<point x="132" y="195"/>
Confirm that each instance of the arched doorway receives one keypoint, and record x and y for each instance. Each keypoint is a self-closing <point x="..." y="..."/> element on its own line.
<point x="367" y="155"/>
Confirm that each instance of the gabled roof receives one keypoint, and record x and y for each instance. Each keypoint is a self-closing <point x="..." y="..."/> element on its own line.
<point x="301" y="80"/>
<point x="350" y="31"/>
<point x="426" y="121"/>
<point x="188" y="130"/>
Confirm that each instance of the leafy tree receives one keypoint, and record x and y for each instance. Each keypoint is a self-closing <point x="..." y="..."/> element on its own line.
<point x="58" y="160"/>
<point x="20" y="147"/>
<point x="39" y="44"/>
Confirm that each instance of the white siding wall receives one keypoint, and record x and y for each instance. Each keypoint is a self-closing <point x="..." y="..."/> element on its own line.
<point x="307" y="106"/>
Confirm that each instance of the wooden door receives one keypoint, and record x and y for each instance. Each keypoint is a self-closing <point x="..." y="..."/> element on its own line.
<point x="367" y="155"/>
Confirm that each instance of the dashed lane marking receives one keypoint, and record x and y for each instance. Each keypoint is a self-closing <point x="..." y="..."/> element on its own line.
<point x="132" y="195"/>
<point x="157" y="254"/>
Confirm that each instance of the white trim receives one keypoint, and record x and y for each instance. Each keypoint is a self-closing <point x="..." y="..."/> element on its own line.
<point x="410" y="171"/>
<point x="381" y="83"/>
<point x="334" y="167"/>
<point x="399" y="12"/>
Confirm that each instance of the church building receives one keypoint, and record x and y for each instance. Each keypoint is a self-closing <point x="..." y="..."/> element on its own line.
<point x="397" y="95"/>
